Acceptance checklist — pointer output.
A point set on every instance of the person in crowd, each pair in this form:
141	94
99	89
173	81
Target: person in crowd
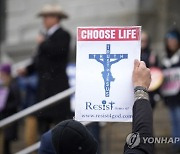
171	87
68	137
50	64
71	137
28	90
151	61
9	102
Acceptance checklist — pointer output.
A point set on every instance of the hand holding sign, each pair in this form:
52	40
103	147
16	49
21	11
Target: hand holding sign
141	74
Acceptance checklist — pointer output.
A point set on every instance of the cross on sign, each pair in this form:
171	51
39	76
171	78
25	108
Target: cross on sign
107	60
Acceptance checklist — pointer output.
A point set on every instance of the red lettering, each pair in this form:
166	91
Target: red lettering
109	33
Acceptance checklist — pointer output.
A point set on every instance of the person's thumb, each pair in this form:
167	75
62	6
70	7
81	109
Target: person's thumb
136	64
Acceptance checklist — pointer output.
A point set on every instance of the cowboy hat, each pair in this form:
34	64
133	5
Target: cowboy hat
53	10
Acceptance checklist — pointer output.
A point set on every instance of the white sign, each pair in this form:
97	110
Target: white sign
105	61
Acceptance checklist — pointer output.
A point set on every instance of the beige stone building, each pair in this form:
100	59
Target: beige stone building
20	25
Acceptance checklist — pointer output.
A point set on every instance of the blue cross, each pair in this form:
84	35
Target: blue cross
105	59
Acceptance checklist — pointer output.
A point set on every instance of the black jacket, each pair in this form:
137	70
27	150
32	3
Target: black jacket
50	64
13	101
171	70
11	107
142	124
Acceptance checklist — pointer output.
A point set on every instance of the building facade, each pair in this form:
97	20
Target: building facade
23	25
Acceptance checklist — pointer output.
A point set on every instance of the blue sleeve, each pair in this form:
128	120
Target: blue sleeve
46	146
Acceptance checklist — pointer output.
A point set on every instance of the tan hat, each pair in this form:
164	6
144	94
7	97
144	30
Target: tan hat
54	10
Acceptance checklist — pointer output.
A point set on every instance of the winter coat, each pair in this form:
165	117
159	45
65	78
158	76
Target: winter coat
50	65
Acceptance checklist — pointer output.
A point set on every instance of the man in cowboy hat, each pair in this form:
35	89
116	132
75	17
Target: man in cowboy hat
50	64
51	15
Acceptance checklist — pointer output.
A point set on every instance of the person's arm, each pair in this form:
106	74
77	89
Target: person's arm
99	60
115	61
142	113
29	69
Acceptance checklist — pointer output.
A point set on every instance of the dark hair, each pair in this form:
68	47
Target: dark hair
173	33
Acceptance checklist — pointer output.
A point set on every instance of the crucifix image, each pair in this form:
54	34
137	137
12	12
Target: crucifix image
107	60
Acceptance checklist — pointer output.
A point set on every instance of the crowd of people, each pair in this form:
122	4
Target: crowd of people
46	76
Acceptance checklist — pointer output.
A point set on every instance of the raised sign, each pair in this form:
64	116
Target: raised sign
105	58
